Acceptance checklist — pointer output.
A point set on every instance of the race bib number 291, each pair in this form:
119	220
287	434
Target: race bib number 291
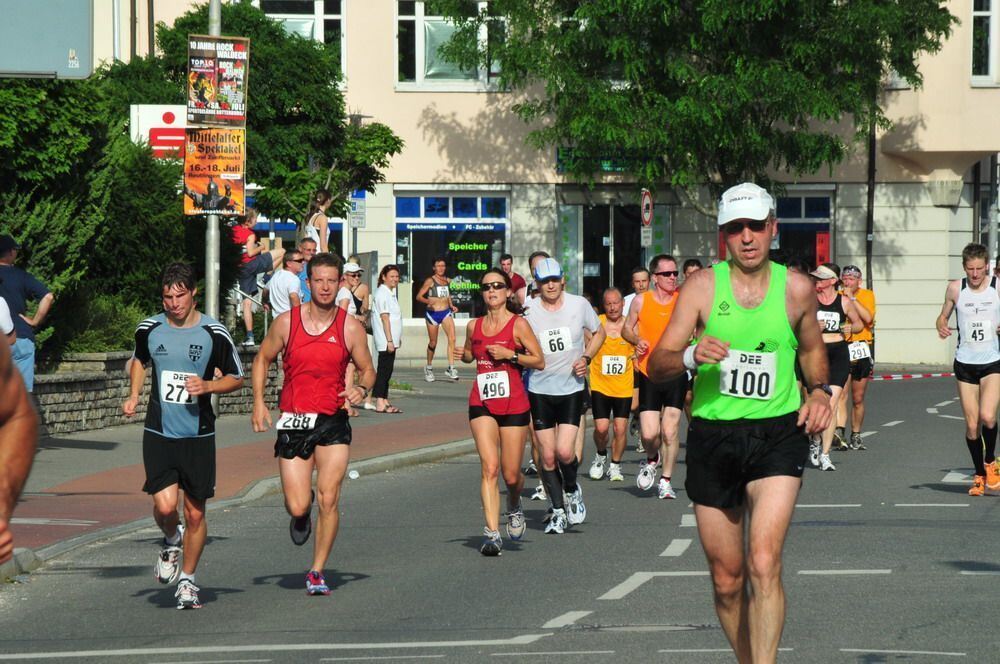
748	375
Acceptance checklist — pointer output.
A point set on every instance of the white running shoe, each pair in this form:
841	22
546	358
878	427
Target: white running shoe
187	595
168	568
539	493
615	472
597	467
664	490
814	450
515	524
429	374
825	463
492	544
577	510
557	524
451	373
647	474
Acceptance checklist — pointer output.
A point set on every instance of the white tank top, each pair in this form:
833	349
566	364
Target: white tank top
978	316
312	232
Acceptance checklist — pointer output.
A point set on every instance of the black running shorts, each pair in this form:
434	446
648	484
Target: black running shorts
723	457
863	368
973	373
508	420
605	407
329	430
657	396
839	359
548	410
186	462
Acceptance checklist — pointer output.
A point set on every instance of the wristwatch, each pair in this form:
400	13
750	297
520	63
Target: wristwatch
588	358
824	387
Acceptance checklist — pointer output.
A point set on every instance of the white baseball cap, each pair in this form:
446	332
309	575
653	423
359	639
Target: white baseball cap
745	201
350	268
547	268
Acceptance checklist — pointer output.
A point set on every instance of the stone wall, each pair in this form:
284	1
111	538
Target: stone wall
87	391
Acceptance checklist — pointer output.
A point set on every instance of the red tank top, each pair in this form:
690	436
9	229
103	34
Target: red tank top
516	401
315	366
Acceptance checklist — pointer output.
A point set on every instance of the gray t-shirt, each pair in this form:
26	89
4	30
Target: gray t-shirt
560	334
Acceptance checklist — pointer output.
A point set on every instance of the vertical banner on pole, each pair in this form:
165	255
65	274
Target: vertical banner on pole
217	80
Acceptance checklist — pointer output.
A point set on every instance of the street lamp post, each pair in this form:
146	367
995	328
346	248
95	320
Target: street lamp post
212	230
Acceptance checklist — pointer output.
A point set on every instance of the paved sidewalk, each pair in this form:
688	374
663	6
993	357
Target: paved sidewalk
87	486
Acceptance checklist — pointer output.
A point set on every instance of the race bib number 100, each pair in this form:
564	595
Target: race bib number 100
493	385
613	365
556	340
297	421
172	389
748	375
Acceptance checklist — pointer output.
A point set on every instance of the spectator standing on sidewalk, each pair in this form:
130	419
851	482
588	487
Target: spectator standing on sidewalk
7	323
307	247
284	287
18	437
387	328
18	287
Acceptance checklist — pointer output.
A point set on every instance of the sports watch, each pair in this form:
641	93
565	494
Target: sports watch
824	387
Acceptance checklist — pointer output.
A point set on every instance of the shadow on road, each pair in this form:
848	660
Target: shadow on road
64	444
297	580
942	487
164	597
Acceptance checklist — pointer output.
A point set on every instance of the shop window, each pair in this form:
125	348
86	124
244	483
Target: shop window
322	20
464	207
436	207
803	207
494	208
408	207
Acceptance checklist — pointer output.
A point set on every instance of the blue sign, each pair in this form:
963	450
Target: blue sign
443	226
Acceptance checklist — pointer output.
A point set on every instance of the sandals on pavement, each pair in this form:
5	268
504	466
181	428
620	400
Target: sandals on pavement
389	410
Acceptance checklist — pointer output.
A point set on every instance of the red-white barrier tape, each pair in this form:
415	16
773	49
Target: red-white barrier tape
909	376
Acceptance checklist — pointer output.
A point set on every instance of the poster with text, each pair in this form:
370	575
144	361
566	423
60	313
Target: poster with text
217	80
214	163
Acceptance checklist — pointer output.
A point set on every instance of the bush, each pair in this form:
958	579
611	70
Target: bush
104	323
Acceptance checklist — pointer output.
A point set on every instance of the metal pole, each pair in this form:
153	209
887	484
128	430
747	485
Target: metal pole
150	27
133	27
992	235
116	17
870	212
212	231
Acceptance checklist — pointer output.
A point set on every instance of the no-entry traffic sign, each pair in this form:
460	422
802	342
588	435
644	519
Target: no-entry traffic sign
646	207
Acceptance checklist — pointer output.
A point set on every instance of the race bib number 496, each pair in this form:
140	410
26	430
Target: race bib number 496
748	375
296	421
493	385
556	340
172	387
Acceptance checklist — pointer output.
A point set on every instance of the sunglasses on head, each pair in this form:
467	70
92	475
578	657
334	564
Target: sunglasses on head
737	227
667	273
493	285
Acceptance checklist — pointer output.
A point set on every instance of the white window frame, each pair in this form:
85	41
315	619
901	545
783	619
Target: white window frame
989	79
319	17
482	83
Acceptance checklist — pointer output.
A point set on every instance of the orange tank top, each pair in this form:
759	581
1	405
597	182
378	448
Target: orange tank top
653	319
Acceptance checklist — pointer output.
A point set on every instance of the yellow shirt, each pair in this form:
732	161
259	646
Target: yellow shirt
866	299
611	369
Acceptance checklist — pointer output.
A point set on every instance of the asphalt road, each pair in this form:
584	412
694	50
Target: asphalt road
888	560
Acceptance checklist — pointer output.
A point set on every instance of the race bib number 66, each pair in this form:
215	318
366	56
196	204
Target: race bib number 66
556	340
748	375
172	387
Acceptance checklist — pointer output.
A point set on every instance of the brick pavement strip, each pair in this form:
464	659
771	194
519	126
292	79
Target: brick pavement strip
246	471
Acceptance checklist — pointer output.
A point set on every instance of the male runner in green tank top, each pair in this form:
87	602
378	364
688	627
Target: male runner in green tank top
747	443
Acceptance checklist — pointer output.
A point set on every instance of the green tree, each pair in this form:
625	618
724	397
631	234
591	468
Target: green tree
699	91
299	137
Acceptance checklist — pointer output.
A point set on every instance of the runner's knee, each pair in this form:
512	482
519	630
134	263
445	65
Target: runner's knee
988	419
327	499
764	565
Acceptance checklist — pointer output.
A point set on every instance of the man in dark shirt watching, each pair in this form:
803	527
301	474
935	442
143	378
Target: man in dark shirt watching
18	287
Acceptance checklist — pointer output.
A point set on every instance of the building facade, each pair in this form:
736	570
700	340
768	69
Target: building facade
469	188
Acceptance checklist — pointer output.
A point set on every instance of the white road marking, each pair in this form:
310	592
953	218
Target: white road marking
687	521
829	505
931	505
522	640
842	572
554	652
957	477
676	548
943	403
692	650
971	572
865	434
904	652
639	578
224	661
893	423
566	619
952	417
932	411
365	659
32	521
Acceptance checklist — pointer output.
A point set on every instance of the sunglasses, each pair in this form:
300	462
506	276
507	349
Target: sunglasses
667	273
542	282
494	285
294	260
737	227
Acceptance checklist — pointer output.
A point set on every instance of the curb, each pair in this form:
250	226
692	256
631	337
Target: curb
26	560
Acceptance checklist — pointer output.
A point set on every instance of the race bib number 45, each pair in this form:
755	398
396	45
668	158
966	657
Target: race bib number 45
613	365
493	385
748	375
975	331
556	340
297	421
172	387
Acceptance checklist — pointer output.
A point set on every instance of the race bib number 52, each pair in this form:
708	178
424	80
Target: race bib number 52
748	375
172	387
493	385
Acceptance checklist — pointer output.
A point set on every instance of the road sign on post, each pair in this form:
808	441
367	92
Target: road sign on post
356	217
646	207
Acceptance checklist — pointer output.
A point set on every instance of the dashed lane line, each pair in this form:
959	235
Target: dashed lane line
358	659
552	652
688	521
566	619
708	650
33	521
842	572
930	653
865	434
893	423
952	417
639	578
944	403
984	572
931	505
932	411
676	548
957	477
808	506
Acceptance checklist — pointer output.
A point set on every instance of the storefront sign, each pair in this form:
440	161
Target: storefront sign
217	80
423	226
214	163
161	126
